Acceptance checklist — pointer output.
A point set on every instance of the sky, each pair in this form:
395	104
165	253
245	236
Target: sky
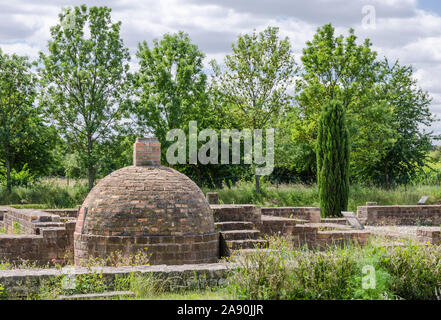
407	30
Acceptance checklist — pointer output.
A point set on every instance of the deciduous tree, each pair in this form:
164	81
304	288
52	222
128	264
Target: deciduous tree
85	77
256	79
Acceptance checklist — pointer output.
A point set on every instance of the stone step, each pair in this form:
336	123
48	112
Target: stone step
234	225
246	244
240	234
97	296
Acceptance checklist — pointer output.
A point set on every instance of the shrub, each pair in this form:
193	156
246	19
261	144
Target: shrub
18	178
416	270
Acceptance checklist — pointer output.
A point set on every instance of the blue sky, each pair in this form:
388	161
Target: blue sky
408	30
430	5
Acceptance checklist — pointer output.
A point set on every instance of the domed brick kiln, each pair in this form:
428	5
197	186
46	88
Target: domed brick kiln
149	207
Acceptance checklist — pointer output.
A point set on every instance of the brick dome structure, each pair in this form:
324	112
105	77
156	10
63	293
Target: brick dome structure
147	206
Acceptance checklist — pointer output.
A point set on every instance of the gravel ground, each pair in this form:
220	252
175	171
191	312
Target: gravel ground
394	232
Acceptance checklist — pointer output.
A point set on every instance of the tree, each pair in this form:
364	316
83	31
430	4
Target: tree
410	112
172	90
256	79
20	120
333	160
385	110
85	80
172	86
336	67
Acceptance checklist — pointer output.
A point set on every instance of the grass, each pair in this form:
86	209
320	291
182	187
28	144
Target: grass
56	193
365	273
299	195
46	194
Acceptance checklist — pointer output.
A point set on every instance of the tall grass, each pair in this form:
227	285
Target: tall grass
54	193
46	194
367	273
299	195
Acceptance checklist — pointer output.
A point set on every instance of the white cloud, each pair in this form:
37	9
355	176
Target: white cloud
403	31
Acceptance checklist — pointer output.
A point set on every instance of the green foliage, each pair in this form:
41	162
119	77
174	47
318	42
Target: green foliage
67	284
20	178
338	68
256	78
24	139
254	85
85	80
411	273
172	89
285	273
16	228
143	286
333	160
172	85
407	156
46	194
72	166
298	195
384	107
3	292
415	269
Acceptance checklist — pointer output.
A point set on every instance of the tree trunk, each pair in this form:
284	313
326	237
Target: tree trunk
91	176
257	180
8	173
90	169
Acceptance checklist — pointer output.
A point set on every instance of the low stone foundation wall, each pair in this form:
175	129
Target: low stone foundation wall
283	221
23	283
305	213
53	245
275	225
340	238
304	236
36	236
232	212
428	215
29	221
429	234
67	213
341	221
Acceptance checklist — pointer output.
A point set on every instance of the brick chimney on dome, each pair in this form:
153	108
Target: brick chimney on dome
147	152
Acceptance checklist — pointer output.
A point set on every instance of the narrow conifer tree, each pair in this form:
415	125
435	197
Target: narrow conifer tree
333	160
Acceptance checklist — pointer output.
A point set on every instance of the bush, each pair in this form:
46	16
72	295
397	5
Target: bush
415	270
20	178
